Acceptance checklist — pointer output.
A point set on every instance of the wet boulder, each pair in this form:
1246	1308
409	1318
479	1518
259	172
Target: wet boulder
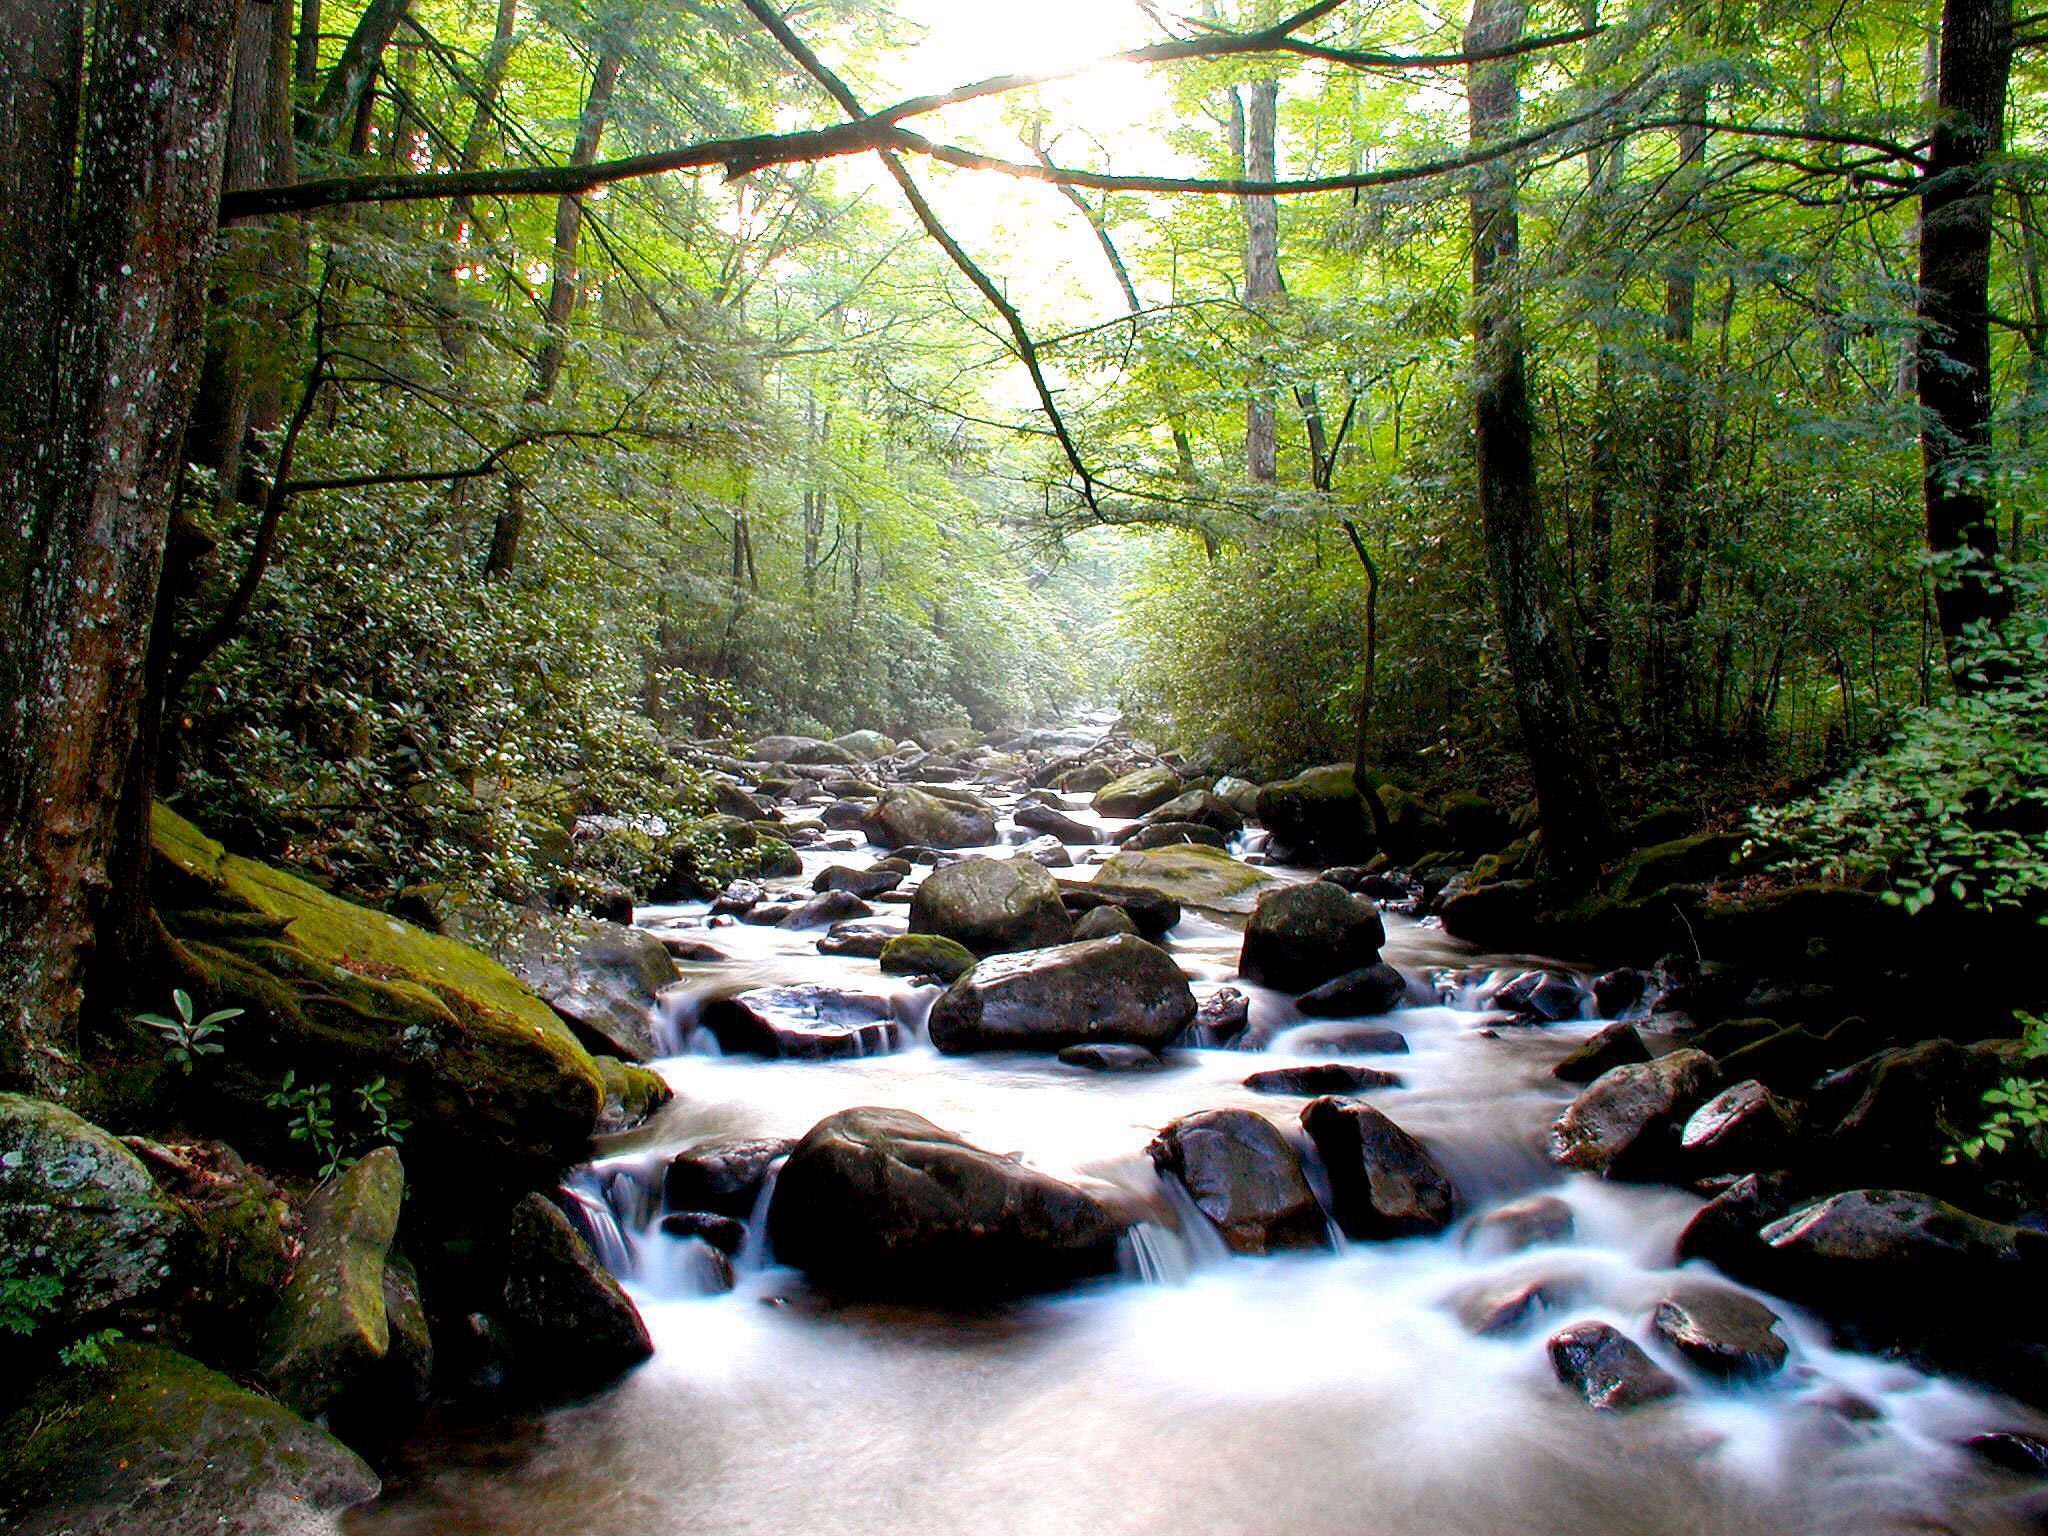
1537	997
1043	818
572	1324
1319	815
147	1442
245	1228
1104	922
329	1328
1152	915
724	1177
882	1202
1740	1128
826	908
84	1224
906	817
1721	1331
1221	1019
861	941
844	816
1119	989
1301	936
1607	1368
992	905
1617	992
1345	1038
1494	1307
1902	1255
806	1022
868	746
1170	834
1136	793
1613	1045
1626	1124
1112	1058
1331	1077
631	1093
1371	989
1725	1231
927	954
1241	795
1383	1182
1191	874
1525	1223
802	751
1047	851
865	883
1244	1176
1198	807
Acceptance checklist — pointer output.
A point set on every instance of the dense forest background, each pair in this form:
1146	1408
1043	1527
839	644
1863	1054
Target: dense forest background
1549	400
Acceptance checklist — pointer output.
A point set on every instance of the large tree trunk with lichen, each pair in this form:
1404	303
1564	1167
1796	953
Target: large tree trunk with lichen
1547	704
1954	365
89	465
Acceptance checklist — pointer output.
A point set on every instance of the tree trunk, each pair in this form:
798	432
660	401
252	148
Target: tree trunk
1261	270
94	501
1954	371
342	98
1547	705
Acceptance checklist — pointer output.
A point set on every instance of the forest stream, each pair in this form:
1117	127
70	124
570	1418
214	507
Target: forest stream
1315	1392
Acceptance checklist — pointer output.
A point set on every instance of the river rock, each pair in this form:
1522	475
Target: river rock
1371	989
724	1177
883	1202
1136	793
868	746
631	1093
826	908
329	1329
721	1232
864	883
1614	1045
844	816
1193	875
1170	834
1319	816
246	1230
150	1443
1618	991
917	818
573	1323
1626	1124
1383	1182
1343	1038
1043	818
1494	1307
807	751
729	799
1119	989
1104	922
2011	1450
927	954
739	898
1540	997
992	905
81	1219
861	941
1723	1332
1048	852
1198	807
1241	795
1743	1127
1333	1077
1301	936
1726	1230
1607	1368
1112	1058
1221	1019
807	1022
1154	916
1899	1253
1525	1223
1243	1176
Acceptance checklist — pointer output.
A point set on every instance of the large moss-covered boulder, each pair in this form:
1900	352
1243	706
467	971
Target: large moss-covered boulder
927	954
865	745
330	1329
991	905
574	1324
1116	990
1136	793
631	1093
83	1225
496	1086
1207	879
1301	936
247	1235
604	979
916	818
1319	815
1695	860
150	1443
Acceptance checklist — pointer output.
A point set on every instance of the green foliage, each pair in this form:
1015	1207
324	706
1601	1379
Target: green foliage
187	1039
26	1299
2017	1107
311	1118
1955	808
90	1350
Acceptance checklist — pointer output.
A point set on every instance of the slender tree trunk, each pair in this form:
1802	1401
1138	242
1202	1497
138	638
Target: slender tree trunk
347	88
1261	269
1954	371
462	210
94	499
1547	705
1596	643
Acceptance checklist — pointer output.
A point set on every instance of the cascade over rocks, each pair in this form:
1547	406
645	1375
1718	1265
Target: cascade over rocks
907	818
1301	936
1383	1182
1243	1176
1222	1019
1626	1125
1119	989
992	905
806	1022
572	1322
723	1177
882	1202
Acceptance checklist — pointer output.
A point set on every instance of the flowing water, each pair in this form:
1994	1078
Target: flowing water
1202	1394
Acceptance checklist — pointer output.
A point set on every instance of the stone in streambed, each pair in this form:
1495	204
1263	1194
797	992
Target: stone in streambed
1171	834
882	1202
807	1022
573	1323
1136	793
1319	815
1112	1058
725	1177
1104	922
1626	1124
927	954
1118	989
1383	1182
1615	1045
721	1232
1198	807
992	905
1495	1307
1607	1368
1520	1224
1746	1126
1339	1039
1043	818
603	978
1301	936
915	818
1153	915
1537	997
1371	989
1723	1332
860	941
1192	874
1335	1077
865	883
1244	1177
826	908
631	1093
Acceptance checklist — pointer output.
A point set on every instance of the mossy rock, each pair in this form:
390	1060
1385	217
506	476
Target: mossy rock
631	1093
927	954
866	745
1696	860
151	1443
1474	824
1319	815
574	1324
83	1225
247	1234
1136	793
496	1086
1192	874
